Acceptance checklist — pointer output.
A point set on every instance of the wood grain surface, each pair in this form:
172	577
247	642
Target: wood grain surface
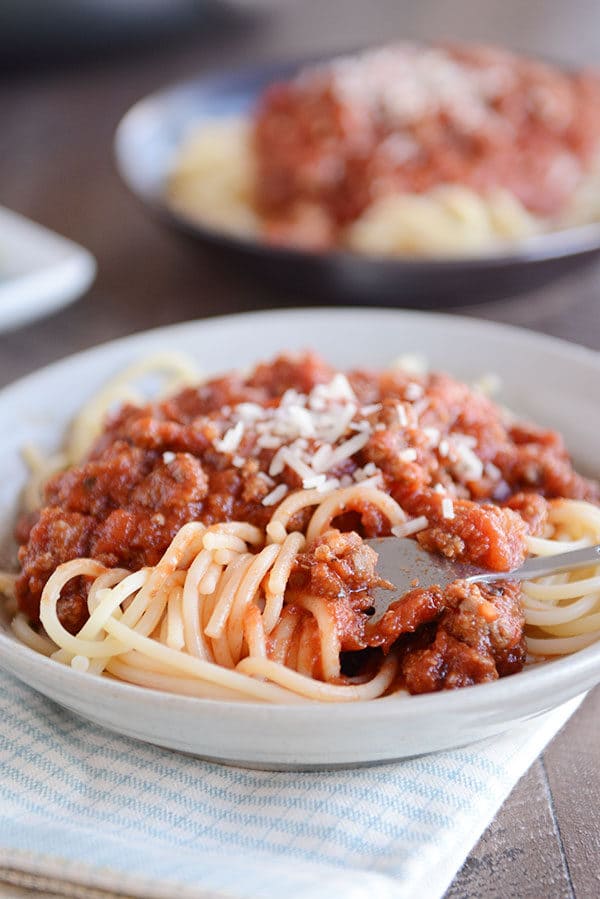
56	167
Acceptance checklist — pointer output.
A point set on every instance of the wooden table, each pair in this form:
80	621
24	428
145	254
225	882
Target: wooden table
56	167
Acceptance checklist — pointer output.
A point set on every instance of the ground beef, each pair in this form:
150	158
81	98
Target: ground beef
467	647
485	535
532	508
342	568
339	563
57	536
446	664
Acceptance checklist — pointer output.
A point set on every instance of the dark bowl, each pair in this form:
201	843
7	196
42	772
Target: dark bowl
146	142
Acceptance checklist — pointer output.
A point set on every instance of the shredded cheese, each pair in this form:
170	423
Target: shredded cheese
447	508
408	455
231	439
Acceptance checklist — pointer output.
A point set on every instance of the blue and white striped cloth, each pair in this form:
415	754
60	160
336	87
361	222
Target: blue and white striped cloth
83	807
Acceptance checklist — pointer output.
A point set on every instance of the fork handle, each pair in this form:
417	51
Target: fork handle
542	565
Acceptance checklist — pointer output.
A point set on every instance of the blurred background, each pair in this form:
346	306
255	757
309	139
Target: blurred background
71	68
59	29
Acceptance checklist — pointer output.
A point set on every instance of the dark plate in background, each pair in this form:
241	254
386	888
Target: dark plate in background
145	146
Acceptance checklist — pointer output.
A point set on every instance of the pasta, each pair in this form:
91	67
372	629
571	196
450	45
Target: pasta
562	611
445	221
276	607
214	175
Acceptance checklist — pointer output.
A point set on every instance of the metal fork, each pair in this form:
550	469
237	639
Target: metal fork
406	565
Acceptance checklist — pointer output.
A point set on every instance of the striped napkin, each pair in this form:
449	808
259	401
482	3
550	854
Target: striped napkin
83	810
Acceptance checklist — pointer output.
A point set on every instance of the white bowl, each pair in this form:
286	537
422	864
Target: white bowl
552	382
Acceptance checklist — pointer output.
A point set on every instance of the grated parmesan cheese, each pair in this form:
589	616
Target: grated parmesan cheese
408	455
292	458
367	471
267	442
413	391
360	426
347	449
447	508
402	417
372	409
320	460
277	463
249	412
231	439
314	482
303	421
374	481
433	436
492	471
405	82
468	466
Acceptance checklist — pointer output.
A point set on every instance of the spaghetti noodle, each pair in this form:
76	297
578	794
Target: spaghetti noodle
275	605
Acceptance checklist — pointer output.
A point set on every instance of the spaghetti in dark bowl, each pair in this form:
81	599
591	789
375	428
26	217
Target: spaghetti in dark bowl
371	197
442	151
210	543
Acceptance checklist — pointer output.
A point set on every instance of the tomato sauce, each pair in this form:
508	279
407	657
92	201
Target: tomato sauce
430	439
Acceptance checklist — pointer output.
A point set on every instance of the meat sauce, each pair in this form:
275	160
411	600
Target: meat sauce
156	467
405	119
